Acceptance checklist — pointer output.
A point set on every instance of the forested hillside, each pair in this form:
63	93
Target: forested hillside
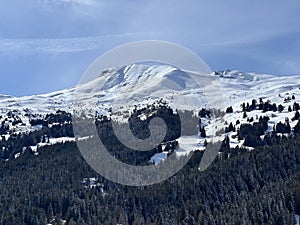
259	185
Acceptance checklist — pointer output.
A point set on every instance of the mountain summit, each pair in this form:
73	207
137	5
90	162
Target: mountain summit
154	82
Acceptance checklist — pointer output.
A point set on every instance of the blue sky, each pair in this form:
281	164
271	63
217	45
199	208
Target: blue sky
46	45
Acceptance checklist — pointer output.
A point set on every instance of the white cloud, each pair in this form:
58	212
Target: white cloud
79	2
61	45
76	2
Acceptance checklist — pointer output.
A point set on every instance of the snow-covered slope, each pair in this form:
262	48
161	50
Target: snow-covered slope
131	81
153	82
142	84
238	87
138	85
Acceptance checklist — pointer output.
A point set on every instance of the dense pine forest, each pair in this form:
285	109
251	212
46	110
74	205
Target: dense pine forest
242	186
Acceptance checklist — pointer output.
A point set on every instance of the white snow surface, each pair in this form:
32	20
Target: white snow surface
141	84
159	157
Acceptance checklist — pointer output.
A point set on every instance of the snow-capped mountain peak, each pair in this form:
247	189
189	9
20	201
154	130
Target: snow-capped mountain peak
136	74
154	81
142	85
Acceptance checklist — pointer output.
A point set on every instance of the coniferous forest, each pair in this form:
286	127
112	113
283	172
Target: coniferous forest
241	186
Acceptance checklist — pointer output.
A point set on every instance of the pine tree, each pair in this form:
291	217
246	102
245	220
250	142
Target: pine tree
229	110
296	117
202	132
297	128
254	104
296	106
280	108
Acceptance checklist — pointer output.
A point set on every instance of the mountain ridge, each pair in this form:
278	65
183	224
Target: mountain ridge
142	85
145	77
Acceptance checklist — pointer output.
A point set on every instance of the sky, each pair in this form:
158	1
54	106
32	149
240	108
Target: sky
46	45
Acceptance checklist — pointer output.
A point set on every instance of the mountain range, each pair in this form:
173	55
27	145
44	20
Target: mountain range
254	179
